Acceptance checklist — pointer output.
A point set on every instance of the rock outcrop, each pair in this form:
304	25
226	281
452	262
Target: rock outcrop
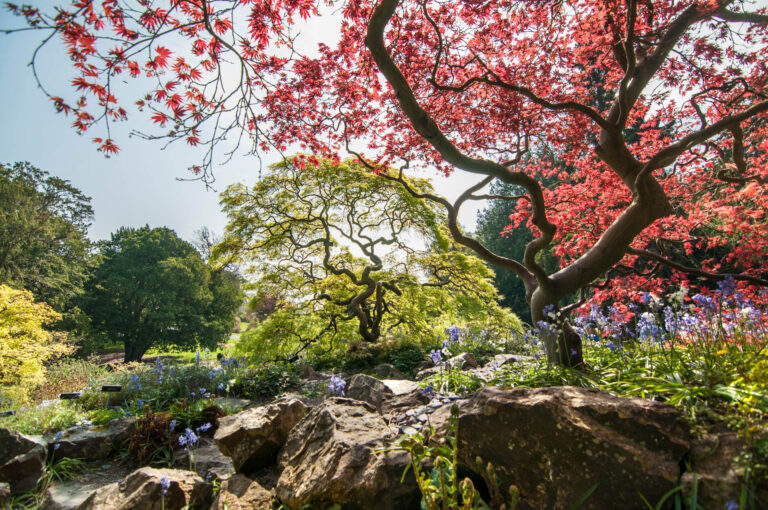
555	444
716	473
143	489
253	437
239	492
22	460
94	443
340	454
368	389
5	496
207	460
388	371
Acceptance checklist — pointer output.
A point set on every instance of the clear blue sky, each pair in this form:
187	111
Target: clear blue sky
138	186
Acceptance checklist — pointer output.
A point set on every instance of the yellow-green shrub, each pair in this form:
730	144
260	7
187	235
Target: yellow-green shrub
25	344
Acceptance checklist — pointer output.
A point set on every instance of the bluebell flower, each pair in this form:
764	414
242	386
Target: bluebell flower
207	351
435	356
612	346
56	446
647	327
547	328
727	286
197	357
336	385
706	303
203	428
172	425
454	334
429	391
221	386
139	402
189	437
165	484
731	505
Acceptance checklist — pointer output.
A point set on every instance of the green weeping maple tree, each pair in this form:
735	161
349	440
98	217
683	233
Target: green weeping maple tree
338	246
657	108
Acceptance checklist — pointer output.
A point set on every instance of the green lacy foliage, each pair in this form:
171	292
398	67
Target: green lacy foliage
347	255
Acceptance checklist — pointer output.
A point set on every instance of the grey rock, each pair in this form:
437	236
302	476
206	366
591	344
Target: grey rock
500	360
554	444
253	437
22	460
718	476
142	490
463	361
94	443
406	402
387	371
5	496
368	389
400	386
208	461
239	492
339	454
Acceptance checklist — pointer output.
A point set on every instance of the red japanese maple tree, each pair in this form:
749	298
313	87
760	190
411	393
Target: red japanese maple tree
657	110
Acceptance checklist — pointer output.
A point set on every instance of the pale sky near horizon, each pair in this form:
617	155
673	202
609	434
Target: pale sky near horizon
139	185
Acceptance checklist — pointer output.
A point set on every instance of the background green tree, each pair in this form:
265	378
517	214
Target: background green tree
152	288
491	224
43	225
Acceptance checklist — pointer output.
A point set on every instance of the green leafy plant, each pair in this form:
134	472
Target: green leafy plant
435	465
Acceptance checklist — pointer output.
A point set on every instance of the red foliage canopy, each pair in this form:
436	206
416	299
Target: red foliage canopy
655	109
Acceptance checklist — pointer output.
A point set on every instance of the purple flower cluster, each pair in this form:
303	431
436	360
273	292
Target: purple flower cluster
336	385
188	439
165	484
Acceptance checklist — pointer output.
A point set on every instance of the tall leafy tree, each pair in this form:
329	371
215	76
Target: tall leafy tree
153	289
470	86
337	244
43	225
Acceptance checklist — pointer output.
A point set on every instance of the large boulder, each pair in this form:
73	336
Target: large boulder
253	437
5	496
388	371
143	490
239	492
555	444
207	460
338	454
368	389
717	475
93	443
22	460
463	361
